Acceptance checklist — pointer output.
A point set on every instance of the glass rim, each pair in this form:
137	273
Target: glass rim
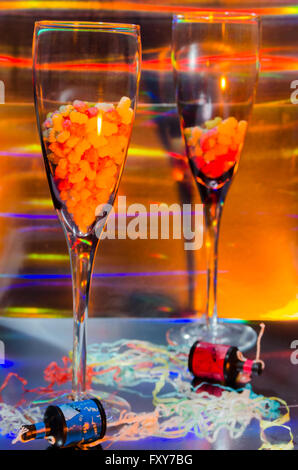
87	25
206	16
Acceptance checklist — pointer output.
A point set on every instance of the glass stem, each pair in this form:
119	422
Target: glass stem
82	253
212	214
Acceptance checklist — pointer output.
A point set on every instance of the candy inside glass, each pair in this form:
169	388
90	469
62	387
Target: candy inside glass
86	78
215	61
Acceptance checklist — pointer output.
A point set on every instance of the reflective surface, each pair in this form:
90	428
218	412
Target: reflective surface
279	378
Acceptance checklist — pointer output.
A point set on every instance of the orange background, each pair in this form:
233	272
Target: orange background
157	278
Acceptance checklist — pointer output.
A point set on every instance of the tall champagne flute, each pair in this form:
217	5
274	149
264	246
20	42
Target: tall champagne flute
215	61
86	77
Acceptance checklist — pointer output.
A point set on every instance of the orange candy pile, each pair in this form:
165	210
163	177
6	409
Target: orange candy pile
86	146
216	147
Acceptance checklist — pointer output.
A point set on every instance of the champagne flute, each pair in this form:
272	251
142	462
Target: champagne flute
215	61
86	78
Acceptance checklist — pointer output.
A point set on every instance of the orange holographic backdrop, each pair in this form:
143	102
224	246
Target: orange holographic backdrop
169	7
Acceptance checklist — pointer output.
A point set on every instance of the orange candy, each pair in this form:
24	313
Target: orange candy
87	147
216	147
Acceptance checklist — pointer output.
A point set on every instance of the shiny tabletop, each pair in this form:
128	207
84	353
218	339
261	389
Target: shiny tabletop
31	344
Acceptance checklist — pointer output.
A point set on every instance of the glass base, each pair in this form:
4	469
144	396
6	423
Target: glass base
234	334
